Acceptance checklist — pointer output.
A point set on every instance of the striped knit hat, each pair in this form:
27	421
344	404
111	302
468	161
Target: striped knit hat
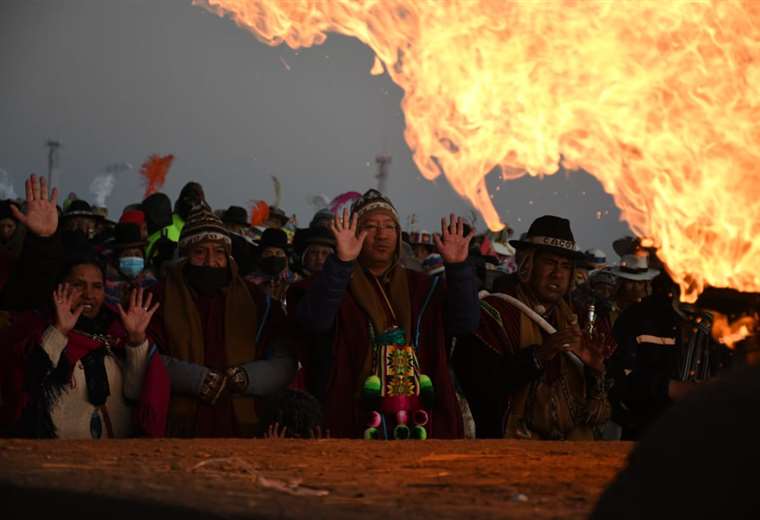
371	201
202	226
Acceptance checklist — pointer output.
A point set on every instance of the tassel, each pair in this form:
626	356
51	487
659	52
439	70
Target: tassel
427	393
421	418
419	433
375	420
401	432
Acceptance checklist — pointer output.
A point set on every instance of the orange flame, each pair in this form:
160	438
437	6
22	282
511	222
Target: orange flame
658	100
732	333
154	171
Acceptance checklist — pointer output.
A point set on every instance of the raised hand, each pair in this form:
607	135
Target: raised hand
453	244
41	216
137	318
66	317
275	431
348	243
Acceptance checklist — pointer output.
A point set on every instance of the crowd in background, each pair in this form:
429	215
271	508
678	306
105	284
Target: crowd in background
178	320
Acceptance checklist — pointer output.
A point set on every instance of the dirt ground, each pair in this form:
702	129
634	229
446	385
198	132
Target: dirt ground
306	479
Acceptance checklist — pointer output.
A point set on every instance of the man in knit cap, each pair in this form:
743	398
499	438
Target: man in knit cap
376	312
222	339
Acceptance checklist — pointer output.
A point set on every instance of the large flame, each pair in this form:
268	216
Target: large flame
731	333
658	100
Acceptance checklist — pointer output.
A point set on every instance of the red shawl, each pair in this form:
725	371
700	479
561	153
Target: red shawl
25	333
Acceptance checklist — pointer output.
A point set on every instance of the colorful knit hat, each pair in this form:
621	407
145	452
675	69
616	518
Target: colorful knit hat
201	226
373	200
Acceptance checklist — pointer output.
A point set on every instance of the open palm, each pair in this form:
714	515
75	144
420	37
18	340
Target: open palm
66	316
348	243
137	318
41	216
453	244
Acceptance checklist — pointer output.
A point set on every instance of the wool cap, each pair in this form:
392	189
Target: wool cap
373	200
201	226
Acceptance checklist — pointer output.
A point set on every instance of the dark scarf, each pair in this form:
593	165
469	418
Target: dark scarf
185	338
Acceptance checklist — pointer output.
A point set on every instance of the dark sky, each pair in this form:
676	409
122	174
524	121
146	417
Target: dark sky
118	80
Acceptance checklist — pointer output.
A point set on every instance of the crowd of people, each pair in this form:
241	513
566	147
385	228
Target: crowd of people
185	322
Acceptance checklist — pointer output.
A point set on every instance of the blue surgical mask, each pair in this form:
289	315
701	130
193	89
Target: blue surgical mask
131	265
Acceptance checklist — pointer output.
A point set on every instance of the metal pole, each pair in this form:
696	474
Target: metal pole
52	148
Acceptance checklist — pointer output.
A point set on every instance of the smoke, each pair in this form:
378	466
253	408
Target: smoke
318	202
101	188
6	186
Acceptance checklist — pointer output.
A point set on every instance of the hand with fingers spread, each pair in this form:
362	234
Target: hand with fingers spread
453	244
349	244
275	431
41	216
65	298
137	318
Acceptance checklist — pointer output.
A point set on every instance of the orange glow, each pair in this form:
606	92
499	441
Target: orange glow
660	101
732	333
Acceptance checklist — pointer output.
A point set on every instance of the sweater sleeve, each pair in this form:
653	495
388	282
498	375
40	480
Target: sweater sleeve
318	308
463	307
267	376
186	378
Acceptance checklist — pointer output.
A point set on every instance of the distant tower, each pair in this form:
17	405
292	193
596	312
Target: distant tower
382	161
53	147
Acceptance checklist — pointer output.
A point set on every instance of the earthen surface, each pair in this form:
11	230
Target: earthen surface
307	479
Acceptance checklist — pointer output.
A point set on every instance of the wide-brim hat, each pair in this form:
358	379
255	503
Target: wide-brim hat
273	237
80	208
552	234
275	212
127	236
603	276
319	236
636	268
236	215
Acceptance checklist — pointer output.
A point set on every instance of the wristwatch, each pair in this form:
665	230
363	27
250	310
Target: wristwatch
238	379
213	386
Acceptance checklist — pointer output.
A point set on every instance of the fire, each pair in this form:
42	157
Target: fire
732	333
658	100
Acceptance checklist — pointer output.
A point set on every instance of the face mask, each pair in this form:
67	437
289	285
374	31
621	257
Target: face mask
206	280
273	264
131	265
